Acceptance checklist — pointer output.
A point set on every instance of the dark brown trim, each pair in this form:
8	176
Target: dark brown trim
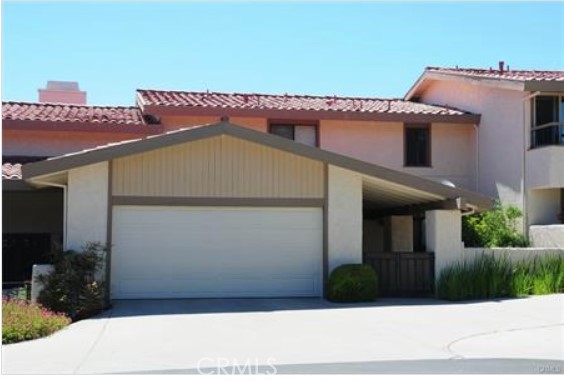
16	185
224	128
109	226
309	114
109	128
427	126
325	229
216	201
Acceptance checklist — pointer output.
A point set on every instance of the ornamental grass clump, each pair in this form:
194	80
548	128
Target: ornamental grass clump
488	276
22	320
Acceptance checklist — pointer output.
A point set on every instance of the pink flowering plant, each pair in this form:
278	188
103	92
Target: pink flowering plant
22	320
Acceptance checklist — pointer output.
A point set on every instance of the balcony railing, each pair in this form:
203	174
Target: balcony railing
549	134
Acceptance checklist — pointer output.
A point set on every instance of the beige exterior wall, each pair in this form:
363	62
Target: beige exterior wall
87	205
501	135
452	147
218	167
344	217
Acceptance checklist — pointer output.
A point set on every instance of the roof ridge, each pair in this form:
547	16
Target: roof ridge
273	95
492	69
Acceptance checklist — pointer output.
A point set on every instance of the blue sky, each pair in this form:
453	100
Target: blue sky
363	49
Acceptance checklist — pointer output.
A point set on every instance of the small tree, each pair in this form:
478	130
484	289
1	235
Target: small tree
72	287
494	228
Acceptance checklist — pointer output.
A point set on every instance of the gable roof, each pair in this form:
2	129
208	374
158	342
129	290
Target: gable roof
297	106
131	147
523	80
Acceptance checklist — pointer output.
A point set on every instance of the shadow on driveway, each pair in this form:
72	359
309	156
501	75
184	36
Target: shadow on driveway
141	307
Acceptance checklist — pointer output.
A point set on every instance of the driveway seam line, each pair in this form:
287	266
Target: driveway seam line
489	333
107	318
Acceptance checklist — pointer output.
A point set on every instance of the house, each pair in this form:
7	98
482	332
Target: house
226	211
338	179
389	132
520	141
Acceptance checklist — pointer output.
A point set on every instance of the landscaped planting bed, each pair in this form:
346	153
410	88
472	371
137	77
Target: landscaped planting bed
488	276
22	320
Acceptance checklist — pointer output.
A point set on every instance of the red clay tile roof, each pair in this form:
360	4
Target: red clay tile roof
515	75
60	112
12	165
12	171
289	102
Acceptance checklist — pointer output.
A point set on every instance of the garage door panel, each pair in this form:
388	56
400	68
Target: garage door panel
167	252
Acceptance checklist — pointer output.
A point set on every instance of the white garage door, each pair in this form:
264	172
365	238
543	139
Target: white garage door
211	252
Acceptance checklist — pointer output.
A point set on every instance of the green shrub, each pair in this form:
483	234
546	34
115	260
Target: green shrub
488	276
22	320
353	283
72	287
494	228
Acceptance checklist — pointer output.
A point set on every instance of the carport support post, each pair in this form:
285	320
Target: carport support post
443	234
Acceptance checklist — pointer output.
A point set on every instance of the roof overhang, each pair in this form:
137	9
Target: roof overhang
399	186
309	114
429	77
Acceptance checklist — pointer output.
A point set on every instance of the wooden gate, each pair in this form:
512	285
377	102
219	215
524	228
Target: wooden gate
403	274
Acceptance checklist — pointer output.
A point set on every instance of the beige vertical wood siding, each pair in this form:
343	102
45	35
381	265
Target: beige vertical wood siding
218	167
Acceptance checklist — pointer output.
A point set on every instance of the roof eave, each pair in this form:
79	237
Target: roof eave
163	110
39	125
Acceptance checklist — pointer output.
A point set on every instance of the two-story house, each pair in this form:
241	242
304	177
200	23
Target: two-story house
422	140
520	141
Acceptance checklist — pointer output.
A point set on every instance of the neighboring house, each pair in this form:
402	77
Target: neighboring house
520	141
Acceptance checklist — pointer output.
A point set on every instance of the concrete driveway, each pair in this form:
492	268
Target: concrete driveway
304	336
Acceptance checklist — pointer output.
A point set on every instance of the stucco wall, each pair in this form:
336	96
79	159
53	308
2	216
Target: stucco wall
382	143
547	236
173	122
344	217
87	205
55	143
500	136
515	254
443	234
545	167
543	206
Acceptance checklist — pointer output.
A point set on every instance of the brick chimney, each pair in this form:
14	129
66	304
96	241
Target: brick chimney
62	92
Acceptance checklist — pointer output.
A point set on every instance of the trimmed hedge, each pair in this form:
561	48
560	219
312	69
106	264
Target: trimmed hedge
353	283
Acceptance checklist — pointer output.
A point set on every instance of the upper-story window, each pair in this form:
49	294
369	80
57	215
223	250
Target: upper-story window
417	145
548	121
300	132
